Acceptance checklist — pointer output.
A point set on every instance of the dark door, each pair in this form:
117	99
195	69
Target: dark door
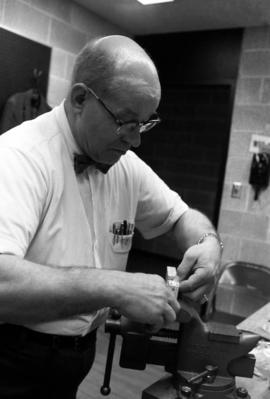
189	149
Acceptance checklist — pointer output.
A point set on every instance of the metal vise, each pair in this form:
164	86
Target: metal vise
203	359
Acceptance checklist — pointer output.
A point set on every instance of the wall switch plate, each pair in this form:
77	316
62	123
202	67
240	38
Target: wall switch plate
236	189
259	143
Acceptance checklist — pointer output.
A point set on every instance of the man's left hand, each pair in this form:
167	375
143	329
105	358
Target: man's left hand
199	268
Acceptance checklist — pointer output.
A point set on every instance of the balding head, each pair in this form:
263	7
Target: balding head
115	86
124	51
109	63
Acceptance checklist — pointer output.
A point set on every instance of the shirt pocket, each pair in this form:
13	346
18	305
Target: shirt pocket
121	243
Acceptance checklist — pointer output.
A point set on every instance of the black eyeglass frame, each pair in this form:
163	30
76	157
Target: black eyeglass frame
130	125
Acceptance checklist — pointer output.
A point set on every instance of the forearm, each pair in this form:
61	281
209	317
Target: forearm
191	226
31	292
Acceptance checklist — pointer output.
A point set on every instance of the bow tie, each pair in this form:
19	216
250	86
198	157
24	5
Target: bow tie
81	162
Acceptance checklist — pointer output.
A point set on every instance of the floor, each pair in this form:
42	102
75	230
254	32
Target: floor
124	383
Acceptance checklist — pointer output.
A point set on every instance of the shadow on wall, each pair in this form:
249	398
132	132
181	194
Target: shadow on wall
20	57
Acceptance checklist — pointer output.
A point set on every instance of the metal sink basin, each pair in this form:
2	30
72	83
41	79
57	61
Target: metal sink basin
242	289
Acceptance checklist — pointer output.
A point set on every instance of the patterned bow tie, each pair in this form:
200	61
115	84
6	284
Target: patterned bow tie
81	162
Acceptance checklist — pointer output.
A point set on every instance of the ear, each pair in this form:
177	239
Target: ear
78	97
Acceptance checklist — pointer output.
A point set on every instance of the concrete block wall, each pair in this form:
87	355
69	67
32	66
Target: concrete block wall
62	25
244	223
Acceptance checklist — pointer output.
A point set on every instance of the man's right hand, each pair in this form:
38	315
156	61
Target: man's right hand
147	299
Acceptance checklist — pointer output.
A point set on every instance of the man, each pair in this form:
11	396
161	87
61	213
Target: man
65	234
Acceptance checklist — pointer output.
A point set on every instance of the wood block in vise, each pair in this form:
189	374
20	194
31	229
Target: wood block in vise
187	311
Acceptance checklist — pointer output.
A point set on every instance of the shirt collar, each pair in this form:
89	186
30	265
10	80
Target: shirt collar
64	126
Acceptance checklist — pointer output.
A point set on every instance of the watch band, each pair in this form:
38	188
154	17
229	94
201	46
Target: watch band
205	235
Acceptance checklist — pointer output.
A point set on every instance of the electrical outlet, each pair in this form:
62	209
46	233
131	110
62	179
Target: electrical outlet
236	189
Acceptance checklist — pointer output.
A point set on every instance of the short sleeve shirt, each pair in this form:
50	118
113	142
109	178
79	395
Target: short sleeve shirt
51	216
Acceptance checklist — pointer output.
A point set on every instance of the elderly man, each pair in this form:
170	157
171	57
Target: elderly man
71	194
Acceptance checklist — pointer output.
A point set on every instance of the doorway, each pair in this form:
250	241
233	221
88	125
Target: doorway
188	150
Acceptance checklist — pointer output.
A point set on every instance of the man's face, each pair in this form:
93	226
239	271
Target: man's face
98	133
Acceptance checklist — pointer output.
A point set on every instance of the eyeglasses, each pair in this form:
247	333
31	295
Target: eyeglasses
130	126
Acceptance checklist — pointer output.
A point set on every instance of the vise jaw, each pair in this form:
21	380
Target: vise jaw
210	356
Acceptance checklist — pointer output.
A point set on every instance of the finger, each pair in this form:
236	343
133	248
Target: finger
197	294
155	327
173	302
196	280
204	299
185	267
169	315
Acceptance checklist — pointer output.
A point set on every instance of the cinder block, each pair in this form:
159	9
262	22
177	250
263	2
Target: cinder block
251	118
230	222
256	38
266	91
26	20
56	8
70	61
66	37
262	205
2	6
255	252
234	204
85	21
57	90
254	226
94	25
254	63
58	63
238	169
248	91
239	143
231	248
